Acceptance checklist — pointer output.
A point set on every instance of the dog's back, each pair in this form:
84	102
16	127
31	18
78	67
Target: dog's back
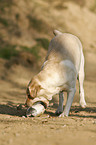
67	47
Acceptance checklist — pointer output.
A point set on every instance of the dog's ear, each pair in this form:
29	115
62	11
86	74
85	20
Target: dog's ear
33	90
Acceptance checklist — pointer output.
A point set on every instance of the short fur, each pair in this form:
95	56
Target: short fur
64	63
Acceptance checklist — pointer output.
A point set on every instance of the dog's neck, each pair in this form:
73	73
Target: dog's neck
48	89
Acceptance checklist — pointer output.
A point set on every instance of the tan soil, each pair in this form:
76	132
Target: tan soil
48	129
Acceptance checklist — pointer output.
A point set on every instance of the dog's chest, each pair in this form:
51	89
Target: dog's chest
54	76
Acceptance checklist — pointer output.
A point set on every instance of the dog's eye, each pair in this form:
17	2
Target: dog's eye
28	93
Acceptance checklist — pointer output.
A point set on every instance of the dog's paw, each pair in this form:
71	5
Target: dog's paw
62	115
83	104
58	112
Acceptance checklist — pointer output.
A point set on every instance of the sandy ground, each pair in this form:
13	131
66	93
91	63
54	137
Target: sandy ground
78	128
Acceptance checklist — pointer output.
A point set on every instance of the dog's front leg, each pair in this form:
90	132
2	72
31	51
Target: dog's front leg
70	96
60	107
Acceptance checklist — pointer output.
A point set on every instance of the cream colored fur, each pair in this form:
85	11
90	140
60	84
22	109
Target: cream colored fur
64	63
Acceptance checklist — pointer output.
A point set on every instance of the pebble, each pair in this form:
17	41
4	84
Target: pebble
48	116
23	117
44	121
17	134
64	125
94	122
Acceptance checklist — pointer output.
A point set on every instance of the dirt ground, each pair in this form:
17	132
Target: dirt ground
20	26
78	128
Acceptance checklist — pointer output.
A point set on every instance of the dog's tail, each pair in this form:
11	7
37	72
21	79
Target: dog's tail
56	32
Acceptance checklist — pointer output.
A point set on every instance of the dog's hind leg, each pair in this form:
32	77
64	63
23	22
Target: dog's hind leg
81	80
60	107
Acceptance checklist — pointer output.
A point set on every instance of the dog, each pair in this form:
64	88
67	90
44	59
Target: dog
63	65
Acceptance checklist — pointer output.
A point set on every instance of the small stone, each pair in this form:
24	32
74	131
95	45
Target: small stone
17	134
64	125
44	121
94	122
48	116
23	117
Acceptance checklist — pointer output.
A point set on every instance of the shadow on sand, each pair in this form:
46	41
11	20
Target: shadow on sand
76	111
88	112
11	109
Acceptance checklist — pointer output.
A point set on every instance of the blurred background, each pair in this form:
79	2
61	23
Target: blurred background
26	28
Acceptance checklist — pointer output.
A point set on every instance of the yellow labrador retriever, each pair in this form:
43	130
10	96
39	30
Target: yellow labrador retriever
64	63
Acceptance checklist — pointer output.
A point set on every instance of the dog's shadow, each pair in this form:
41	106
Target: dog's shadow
11	109
88	112
76	111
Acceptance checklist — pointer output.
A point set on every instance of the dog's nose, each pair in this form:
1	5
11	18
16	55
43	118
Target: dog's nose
25	105
28	102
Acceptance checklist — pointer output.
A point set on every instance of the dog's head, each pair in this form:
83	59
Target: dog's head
32	92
